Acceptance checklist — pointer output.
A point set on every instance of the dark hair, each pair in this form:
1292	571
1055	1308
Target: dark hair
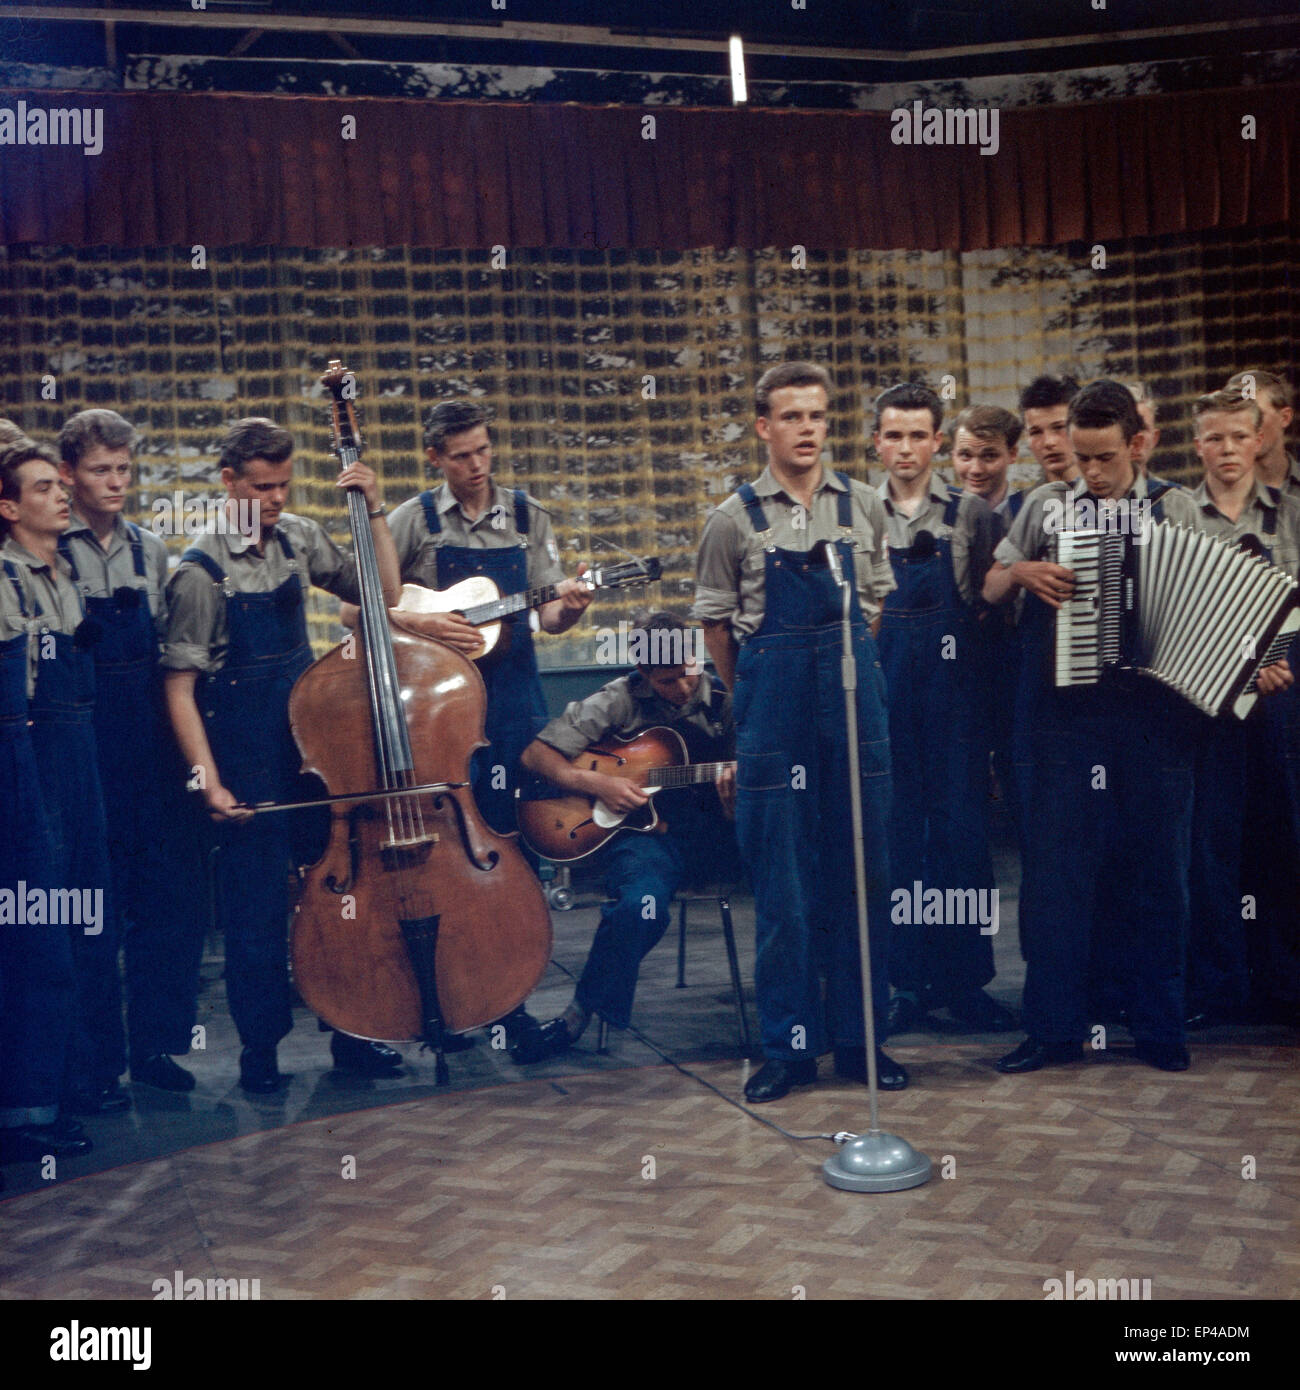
1101	404
449	418
1278	387
12	458
91	429
663	639
789	374
1046	391
255	437
910	395
989	422
10	433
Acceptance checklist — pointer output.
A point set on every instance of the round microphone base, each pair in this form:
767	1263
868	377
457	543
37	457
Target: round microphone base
876	1163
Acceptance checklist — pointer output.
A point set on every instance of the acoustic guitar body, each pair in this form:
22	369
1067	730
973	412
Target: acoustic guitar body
569	826
468	593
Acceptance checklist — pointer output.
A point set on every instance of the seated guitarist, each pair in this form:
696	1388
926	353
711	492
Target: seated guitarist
642	870
470	525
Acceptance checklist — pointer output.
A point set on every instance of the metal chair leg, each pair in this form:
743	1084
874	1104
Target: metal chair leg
733	960
602	1035
681	943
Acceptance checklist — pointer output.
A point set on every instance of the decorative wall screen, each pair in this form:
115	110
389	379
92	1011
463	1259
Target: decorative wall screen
622	379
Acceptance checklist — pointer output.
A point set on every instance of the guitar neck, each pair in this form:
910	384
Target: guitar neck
511	603
685	774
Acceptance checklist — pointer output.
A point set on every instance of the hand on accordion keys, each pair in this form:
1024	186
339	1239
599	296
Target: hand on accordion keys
1050	582
1272	679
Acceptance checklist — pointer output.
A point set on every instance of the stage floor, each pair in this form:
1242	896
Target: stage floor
619	1176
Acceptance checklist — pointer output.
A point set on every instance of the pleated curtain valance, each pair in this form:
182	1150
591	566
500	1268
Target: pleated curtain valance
219	170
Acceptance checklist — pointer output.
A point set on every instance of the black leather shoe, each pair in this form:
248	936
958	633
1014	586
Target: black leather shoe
775	1077
851	1065
32	1143
101	1100
904	1015
363	1057
1033	1054
1165	1056
259	1073
542	1041
162	1072
982	1012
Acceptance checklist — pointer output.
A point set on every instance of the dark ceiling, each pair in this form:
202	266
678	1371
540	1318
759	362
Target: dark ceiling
865	41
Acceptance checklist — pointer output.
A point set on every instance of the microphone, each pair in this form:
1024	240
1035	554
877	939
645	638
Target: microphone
830	557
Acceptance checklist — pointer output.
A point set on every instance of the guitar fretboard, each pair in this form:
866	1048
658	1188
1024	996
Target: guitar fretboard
512	603
685	774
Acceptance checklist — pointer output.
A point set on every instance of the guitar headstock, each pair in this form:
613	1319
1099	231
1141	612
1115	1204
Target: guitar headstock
624	574
342	386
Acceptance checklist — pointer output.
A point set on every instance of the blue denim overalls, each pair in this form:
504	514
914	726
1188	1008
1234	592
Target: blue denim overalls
36	982
63	738
516	708
793	818
1218	980
152	828
245	709
939	725
1108	818
1271	849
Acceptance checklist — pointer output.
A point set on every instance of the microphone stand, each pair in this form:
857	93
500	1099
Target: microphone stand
875	1161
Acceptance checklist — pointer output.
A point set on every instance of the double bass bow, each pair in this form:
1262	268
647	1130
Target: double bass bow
418	920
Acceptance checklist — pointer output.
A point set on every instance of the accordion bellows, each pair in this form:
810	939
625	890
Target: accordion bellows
1194	612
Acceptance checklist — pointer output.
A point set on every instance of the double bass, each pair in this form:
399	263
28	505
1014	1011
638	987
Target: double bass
418	920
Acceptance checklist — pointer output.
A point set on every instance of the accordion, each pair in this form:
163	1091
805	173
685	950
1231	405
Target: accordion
1196	613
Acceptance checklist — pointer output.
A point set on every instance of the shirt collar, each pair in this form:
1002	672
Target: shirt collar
641	689
766	484
238	543
939	494
445	501
79	524
1139	490
19	554
1258	496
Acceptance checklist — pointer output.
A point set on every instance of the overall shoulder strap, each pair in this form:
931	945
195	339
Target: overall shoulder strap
431	518
753	507
952	507
203	559
1014	503
65	549
137	549
521	511
844	502
1270	516
12	571
1155	494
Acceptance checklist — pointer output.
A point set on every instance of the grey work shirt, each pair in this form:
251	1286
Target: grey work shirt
51	598
1256	517
494	530
197	633
1291	483
103	570
1031	537
628	705
730	569
972	536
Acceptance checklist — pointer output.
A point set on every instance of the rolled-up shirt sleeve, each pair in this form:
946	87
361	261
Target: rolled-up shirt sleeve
717	570
585	722
193	605
330	569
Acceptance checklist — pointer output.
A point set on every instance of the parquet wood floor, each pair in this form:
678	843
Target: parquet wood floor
543	1189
